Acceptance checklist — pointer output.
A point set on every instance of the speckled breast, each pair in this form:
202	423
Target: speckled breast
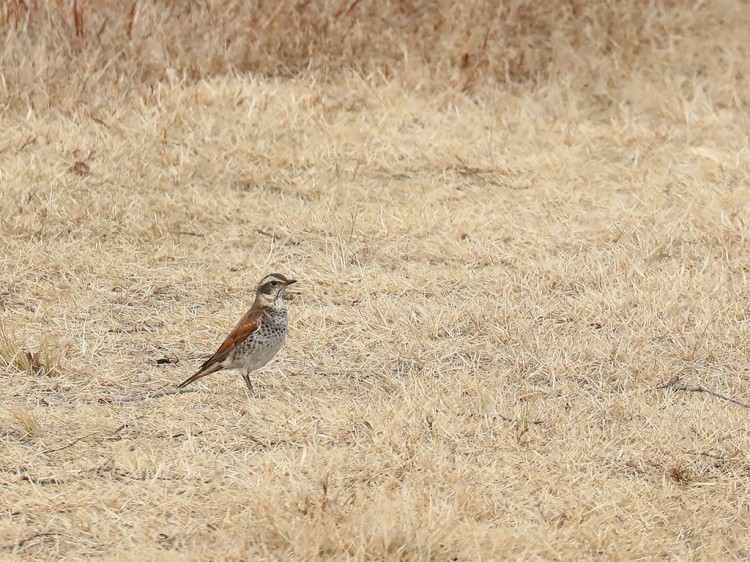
264	343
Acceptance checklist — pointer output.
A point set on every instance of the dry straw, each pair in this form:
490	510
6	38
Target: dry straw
512	224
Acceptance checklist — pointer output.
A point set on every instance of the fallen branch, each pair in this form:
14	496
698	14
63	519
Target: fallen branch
672	385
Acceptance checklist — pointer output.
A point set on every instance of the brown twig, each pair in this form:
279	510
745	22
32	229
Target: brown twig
69	444
344	9
133	18
672	385
123	427
273	236
78	17
158	394
46	481
519	422
23	542
113	434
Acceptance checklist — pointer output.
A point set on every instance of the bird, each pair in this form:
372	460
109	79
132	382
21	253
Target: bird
257	337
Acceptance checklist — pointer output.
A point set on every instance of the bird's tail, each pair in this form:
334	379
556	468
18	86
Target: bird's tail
200	374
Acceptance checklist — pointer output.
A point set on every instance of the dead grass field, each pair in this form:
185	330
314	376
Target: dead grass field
510	226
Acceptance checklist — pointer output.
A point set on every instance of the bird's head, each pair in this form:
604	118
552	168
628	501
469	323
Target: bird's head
271	288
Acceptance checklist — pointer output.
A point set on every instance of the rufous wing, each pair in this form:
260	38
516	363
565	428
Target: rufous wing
246	326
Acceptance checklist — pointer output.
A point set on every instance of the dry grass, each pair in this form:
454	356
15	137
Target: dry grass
504	248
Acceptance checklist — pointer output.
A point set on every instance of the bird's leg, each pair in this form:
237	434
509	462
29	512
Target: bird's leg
246	377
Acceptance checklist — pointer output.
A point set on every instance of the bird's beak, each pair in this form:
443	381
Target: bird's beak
291	282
